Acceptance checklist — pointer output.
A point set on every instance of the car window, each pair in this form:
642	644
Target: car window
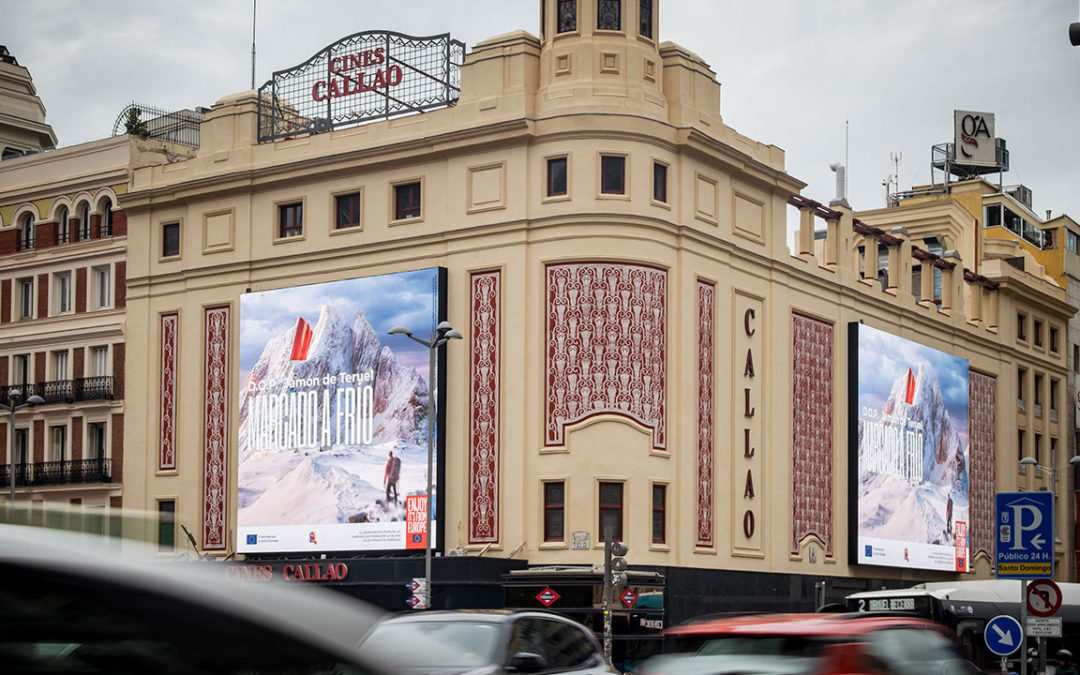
56	622
454	644
567	646
911	651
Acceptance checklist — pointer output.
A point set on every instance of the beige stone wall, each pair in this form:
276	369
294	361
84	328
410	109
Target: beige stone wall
482	167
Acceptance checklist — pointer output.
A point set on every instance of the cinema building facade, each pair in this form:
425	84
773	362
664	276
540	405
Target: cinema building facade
641	348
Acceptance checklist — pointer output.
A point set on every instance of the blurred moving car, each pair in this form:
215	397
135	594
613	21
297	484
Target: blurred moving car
484	641
77	603
810	644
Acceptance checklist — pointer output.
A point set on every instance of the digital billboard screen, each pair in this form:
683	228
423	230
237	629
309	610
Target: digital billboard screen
910	468
332	448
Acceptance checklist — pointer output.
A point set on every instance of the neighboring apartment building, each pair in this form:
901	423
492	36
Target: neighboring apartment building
641	349
1006	228
63	243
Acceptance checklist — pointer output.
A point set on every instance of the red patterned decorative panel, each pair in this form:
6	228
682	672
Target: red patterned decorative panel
216	424
606	346
484	416
981	423
812	431
706	304
167	447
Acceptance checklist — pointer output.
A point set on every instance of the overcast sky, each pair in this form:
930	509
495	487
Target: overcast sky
794	73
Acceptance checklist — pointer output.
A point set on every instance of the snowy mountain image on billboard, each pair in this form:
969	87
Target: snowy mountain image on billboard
912	453
333	421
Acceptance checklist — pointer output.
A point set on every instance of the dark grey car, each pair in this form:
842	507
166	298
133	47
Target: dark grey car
72	603
484	641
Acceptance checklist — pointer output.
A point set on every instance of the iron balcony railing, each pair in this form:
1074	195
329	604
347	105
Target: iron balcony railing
96	388
67	472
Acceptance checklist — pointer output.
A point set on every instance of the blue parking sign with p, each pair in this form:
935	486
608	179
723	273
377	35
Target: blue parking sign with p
1024	537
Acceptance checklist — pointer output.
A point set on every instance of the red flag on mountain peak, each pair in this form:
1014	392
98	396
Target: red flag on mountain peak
301	340
909	392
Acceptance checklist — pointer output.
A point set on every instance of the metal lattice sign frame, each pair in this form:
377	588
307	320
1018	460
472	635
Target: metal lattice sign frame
366	76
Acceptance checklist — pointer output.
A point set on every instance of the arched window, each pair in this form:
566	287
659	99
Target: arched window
63	227
84	222
26	233
107	220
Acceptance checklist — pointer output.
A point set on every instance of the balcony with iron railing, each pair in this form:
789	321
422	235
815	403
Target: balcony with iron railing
67	472
96	388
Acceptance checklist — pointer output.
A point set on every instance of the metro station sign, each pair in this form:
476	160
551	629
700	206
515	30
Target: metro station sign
366	76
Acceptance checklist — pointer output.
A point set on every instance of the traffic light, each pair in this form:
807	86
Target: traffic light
614	562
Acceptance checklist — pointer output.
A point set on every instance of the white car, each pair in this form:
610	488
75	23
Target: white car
73	603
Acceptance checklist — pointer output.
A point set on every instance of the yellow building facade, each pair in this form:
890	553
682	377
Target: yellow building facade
584	182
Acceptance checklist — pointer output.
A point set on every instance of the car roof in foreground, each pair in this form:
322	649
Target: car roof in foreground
798	624
320	616
490	615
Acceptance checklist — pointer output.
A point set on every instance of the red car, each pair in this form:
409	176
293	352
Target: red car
808	644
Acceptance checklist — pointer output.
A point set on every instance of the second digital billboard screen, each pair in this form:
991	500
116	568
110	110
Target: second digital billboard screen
332	451
910	456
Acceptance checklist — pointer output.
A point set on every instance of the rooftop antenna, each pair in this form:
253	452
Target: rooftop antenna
893	180
847	163
253	4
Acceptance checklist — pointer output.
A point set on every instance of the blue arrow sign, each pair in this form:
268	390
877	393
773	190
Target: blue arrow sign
1025	535
1003	635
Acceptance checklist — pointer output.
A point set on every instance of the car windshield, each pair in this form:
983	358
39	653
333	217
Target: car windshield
446	644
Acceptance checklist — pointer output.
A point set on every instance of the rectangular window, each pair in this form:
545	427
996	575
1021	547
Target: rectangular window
1053	400
1038	448
1021	327
608	15
1019	444
1036	333
1072	242
567	18
1076	358
166	525
645	18
659	514
556	177
611	511
99	361
57	444
290	220
102	287
95	440
1038	390
170	240
407	200
26	298
60	365
20	372
347	210
659	182
22	446
1053	340
1021	383
62	287
612	175
993	216
554	510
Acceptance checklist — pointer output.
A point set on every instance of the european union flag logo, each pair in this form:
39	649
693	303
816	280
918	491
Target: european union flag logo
252	539
869	551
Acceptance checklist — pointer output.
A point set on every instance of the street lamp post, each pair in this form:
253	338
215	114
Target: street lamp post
13	406
442	334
